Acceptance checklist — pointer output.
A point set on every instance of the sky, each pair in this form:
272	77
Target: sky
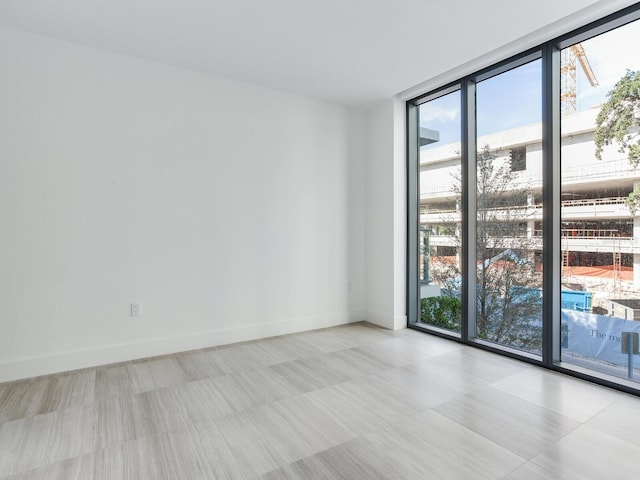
513	98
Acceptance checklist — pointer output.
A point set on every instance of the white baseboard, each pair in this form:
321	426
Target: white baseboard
386	321
399	321
379	318
26	367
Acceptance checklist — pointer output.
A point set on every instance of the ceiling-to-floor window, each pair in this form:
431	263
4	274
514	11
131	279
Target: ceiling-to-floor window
508	191
600	236
439	234
524	205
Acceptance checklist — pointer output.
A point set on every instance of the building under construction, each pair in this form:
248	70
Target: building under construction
570	58
600	235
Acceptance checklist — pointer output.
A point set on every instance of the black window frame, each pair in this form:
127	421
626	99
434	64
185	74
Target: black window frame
549	53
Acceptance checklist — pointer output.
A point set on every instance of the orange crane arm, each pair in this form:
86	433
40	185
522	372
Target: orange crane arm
580	54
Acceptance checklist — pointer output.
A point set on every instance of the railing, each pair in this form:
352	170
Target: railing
424	211
589	234
605	169
590	202
568	233
438	190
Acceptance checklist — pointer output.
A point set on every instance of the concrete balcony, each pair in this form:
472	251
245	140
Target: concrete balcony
612	171
439	192
572	240
594	174
438	217
613	207
443	241
597	208
598	242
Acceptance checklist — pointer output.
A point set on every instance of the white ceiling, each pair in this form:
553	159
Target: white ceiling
348	51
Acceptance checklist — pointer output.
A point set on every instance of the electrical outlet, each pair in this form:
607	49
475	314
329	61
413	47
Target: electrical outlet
136	309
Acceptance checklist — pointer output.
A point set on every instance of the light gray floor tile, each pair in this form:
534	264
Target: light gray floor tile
478	365
359	458
568	396
621	419
35	441
363	333
519	426
207	399
47	394
328	369
177	455
437	447
352	460
354	363
219	454
587	453
126	418
424	387
21	399
76	468
531	471
112	382
351	408
121	419
388	407
430	347
234	358
297	428
311	468
347	402
253	387
68	390
394	352
327	340
236	440
283	349
446	382
199	365
154	374
140	376
310	373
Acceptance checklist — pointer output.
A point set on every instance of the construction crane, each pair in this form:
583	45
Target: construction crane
568	71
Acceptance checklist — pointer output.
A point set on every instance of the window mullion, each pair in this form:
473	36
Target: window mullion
551	192
468	199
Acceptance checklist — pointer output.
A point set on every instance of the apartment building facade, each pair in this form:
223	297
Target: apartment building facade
600	233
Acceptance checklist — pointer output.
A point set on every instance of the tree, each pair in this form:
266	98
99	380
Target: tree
619	121
507	287
633	200
619	118
508	300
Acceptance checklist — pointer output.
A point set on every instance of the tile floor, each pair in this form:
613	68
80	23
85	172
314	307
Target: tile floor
351	402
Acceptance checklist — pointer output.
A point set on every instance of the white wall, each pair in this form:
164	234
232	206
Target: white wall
386	215
230	211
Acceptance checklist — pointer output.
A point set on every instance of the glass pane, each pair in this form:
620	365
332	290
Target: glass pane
600	197
439	242
509	209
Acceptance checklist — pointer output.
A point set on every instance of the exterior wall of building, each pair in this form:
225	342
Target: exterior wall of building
595	217
624	312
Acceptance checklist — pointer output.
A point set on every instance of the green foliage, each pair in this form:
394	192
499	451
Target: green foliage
619	118
444	312
633	200
504	314
508	306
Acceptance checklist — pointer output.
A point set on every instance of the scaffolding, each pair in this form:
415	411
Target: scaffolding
617	264
569	59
